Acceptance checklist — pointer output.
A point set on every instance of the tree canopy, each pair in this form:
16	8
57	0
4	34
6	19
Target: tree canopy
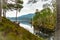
45	19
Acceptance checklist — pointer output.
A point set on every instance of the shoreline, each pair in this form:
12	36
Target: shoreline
27	27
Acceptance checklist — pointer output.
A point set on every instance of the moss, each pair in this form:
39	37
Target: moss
12	31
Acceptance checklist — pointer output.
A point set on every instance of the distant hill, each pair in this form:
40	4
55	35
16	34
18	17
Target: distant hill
23	17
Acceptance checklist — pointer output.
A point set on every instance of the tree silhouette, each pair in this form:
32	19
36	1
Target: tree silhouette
32	1
4	7
18	6
9	6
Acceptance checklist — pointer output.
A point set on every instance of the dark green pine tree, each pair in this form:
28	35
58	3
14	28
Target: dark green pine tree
18	6
4	7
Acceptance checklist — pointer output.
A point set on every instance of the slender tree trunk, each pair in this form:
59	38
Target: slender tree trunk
4	11
0	10
57	32
16	15
16	10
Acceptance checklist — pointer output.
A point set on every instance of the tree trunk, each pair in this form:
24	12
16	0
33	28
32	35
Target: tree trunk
16	15
57	32
4	11
0	10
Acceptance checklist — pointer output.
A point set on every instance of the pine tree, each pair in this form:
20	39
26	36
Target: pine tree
4	7
18	6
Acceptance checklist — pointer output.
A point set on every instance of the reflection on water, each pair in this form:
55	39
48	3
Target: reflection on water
25	22
27	26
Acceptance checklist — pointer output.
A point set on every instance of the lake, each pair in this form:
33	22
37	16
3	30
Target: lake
27	26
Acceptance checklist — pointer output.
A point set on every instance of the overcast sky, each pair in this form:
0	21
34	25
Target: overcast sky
27	8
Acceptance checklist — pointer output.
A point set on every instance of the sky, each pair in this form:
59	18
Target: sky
27	8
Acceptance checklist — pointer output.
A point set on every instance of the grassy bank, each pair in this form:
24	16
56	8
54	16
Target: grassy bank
12	31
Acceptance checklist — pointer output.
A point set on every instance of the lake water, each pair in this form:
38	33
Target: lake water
27	26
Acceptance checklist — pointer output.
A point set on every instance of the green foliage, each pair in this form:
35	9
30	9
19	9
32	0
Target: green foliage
10	6
5	6
17	5
19	1
12	31
45	19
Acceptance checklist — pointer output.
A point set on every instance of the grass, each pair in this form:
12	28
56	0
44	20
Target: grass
12	31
